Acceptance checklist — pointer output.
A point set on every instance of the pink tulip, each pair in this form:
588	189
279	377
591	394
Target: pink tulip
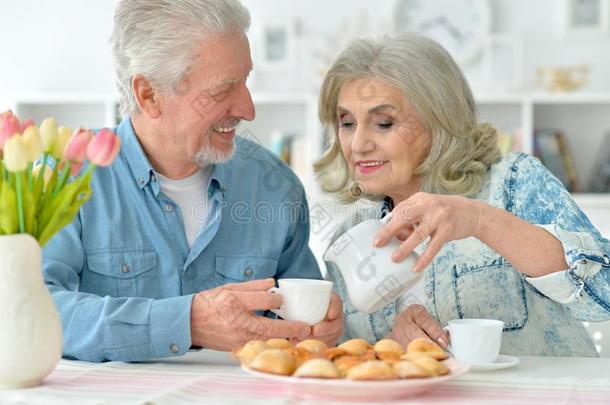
76	148
27	123
103	148
9	126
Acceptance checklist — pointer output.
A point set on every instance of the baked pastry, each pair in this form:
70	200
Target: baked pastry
249	351
430	365
388	357
300	355
278	343
408	369
344	363
372	370
355	347
317	368
427	346
274	361
333	353
312	345
389	345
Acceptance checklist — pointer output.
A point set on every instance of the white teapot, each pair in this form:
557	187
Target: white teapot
372	279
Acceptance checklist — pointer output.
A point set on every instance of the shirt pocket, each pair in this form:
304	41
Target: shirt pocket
493	291
237	269
122	274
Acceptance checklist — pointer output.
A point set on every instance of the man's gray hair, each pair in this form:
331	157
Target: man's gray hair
156	38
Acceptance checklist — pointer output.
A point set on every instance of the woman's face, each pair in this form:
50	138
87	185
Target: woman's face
381	137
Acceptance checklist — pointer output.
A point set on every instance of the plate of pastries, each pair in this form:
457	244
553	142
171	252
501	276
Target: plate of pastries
355	369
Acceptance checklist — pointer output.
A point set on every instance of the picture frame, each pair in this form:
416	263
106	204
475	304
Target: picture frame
276	43
586	17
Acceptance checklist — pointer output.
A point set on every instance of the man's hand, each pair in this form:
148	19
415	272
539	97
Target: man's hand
415	322
223	318
330	329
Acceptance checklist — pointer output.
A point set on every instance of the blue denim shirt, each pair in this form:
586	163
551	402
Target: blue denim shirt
122	275
542	316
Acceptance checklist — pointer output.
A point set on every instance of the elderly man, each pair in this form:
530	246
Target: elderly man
172	250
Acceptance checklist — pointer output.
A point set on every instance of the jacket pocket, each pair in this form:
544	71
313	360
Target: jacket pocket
122	274
236	269
494	291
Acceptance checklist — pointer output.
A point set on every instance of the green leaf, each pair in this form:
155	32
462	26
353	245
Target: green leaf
61	210
29	210
8	209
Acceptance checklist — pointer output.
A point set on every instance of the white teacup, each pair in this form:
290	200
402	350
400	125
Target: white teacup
475	341
304	300
372	278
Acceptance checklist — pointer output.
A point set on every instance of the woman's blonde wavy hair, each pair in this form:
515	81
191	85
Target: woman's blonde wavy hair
462	149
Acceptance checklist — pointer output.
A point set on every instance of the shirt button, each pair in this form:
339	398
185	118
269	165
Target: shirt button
249	272
141	181
173	348
169	207
125	268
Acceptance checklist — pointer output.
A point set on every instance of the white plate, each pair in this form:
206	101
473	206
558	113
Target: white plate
503	361
313	388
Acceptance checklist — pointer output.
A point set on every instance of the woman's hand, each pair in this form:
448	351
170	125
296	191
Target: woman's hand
442	218
415	322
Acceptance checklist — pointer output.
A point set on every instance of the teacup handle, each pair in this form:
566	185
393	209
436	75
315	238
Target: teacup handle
280	311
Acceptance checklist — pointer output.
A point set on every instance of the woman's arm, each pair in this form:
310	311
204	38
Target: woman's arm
529	248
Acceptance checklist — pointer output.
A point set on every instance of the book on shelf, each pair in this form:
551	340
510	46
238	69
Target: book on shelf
600	178
551	147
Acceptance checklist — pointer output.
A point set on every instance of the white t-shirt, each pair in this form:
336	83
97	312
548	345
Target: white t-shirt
191	195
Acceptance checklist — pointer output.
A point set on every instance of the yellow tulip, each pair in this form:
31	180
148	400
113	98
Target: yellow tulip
33	143
48	134
15	154
63	136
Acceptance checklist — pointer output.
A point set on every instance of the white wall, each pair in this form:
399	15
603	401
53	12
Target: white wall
62	45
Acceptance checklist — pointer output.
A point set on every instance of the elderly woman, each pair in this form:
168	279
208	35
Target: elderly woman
505	239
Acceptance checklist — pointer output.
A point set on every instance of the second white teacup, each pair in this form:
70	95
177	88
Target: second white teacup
303	300
475	341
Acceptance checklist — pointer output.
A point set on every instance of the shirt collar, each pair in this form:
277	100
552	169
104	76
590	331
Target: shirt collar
139	164
143	171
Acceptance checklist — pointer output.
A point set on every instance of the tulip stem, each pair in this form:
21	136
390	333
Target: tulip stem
43	167
29	175
19	203
62	178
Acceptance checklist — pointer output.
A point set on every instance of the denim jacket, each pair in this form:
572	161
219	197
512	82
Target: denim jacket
542	316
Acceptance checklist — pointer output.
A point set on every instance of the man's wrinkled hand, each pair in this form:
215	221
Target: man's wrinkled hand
223	318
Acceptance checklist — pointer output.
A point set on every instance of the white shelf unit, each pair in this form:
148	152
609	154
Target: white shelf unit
583	118
73	110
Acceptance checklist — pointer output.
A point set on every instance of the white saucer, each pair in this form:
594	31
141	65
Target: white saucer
503	361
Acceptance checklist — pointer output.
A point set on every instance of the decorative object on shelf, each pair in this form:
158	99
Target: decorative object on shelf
562	79
461	26
36	201
600	179
502	62
275	45
551	147
586	17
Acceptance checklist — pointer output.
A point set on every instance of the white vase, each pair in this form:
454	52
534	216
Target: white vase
30	329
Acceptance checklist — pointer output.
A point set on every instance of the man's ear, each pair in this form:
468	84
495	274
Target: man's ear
146	96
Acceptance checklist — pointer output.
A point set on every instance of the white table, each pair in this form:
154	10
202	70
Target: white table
212	377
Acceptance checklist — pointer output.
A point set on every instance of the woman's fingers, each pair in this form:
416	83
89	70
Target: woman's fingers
434	246
403	217
429	325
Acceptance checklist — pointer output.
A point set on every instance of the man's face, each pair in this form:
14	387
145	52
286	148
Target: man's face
199	118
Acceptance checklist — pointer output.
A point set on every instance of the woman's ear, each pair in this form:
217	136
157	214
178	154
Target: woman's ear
146	96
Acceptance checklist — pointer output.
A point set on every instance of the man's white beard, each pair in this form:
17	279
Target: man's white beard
210	155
